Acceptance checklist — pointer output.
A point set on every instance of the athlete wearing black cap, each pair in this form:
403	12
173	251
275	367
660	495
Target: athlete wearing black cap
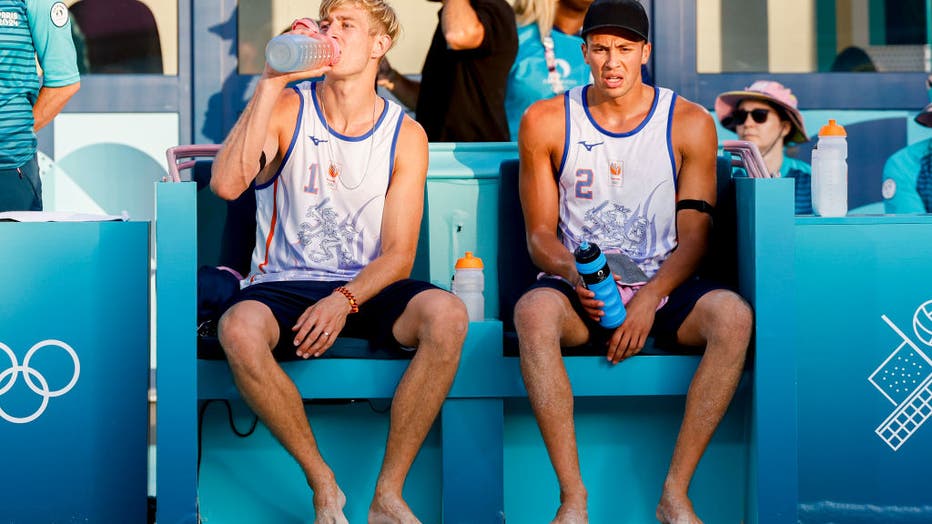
632	168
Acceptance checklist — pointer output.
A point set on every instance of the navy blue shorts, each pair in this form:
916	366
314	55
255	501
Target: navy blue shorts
289	299
667	320
21	188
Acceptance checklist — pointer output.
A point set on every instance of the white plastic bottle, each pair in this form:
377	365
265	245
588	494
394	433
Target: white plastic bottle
296	52
468	284
830	172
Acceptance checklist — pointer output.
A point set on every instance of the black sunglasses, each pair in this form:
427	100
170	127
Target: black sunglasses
759	115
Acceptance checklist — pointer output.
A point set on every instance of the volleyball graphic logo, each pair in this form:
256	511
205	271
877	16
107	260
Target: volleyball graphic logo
922	323
905	379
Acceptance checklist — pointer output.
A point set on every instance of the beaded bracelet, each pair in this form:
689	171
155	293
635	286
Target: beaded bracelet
354	306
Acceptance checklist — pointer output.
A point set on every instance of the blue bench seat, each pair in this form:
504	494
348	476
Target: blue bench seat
472	419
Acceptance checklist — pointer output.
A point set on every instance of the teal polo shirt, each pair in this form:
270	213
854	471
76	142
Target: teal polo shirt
30	29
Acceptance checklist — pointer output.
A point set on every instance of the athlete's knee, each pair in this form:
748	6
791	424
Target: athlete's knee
731	321
242	332
443	320
537	309
735	314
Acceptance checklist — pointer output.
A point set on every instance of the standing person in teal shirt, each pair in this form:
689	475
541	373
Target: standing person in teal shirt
766	114
31	29
550	59
907	175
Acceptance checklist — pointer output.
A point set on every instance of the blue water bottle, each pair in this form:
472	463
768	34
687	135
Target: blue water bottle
594	270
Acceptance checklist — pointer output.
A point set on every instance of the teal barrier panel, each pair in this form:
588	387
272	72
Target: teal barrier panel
842	365
176	378
765	246
863	307
74	366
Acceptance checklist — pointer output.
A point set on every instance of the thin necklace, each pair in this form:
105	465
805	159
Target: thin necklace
335	170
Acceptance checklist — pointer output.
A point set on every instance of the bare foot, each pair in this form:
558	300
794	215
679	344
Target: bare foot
571	514
328	507
676	509
390	509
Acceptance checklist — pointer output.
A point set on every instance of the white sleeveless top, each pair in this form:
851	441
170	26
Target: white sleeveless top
320	216
619	189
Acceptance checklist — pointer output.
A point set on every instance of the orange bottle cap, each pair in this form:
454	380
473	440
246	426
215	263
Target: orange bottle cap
469	262
832	129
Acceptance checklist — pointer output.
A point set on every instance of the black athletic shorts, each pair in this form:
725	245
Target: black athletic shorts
667	320
289	299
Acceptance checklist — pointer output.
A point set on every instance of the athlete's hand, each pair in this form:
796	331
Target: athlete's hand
629	338
317	328
592	306
301	26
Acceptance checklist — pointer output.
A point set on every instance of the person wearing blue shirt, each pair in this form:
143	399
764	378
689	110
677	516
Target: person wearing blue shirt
766	114
907	175
31	29
549	59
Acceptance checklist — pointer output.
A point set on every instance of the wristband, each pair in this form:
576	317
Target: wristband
354	306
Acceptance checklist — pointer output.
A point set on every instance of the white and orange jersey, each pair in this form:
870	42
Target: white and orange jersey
320	216
619	189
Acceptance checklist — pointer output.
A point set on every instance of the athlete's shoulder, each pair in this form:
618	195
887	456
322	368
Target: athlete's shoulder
412	130
690	112
546	111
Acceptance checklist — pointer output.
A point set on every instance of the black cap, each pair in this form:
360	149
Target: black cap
628	15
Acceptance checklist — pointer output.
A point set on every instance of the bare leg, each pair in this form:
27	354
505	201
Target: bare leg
248	332
544	319
435	322
722	321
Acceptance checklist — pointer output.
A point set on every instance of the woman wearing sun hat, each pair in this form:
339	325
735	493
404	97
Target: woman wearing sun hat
766	114
907	175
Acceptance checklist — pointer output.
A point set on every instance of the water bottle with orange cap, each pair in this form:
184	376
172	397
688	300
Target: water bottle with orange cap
830	172
468	283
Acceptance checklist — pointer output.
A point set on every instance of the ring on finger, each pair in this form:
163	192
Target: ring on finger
326	334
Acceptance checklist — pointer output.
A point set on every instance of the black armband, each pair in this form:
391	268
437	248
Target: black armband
699	205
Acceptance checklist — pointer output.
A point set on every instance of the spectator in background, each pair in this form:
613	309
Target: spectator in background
549	59
28	30
461	95
907	175
766	115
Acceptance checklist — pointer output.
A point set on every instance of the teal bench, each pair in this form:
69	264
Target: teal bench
473	418
184	381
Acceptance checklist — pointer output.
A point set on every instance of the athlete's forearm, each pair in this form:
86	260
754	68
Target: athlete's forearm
551	256
379	273
240	159
684	261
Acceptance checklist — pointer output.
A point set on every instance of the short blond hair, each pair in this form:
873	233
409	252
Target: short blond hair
381	15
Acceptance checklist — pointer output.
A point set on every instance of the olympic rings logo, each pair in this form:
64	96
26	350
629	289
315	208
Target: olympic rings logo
31	376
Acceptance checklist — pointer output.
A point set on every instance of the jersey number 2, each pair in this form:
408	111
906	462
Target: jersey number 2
584	183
